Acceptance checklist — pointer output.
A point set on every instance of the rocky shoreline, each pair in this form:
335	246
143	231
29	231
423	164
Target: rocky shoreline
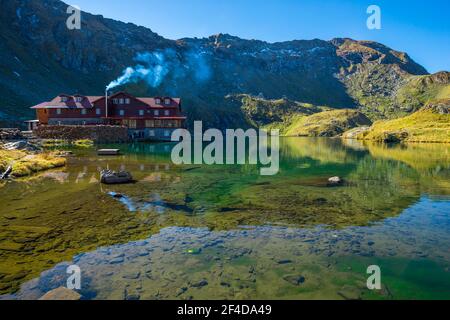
23	158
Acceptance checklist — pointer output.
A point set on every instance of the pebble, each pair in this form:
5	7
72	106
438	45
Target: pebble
181	291
285	261
200	284
132	276
295	279
117	260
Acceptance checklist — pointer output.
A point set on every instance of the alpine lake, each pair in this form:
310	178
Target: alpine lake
226	232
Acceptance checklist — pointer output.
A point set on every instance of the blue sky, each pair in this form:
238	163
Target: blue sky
420	28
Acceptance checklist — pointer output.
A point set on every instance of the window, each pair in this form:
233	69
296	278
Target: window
133	124
58	111
167	101
83	111
121	113
166	113
152	133
156	113
121	101
127	101
98	111
115	101
141	112
149	123
64	99
158	101
79	99
167	133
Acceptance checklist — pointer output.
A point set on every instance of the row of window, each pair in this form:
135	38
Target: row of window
127	101
121	101
77	99
98	112
142	113
152	133
167	101
154	123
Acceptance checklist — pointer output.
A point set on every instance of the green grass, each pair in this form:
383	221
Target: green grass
24	164
52	143
274	114
422	126
327	123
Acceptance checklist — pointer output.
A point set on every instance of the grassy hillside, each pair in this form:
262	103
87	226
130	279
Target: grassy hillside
420	90
328	123
429	124
273	114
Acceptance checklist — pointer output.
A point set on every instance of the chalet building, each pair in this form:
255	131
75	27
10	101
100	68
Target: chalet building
146	118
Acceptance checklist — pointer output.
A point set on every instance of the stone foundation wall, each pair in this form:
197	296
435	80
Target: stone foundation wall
10	134
101	134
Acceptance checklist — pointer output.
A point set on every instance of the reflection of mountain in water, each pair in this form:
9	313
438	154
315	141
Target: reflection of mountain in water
52	217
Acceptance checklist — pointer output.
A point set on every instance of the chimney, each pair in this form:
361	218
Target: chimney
106	102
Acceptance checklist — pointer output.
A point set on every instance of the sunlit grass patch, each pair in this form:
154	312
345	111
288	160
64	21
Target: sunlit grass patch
24	164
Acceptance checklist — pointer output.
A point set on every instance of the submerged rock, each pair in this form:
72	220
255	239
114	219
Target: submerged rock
199	284
296	280
132	276
350	293
61	293
284	261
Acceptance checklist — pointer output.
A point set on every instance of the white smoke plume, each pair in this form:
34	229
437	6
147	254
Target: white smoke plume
153	67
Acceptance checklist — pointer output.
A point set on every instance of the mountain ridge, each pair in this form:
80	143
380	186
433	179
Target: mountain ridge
42	58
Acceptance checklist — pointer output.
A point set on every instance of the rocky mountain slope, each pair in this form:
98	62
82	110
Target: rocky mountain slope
40	58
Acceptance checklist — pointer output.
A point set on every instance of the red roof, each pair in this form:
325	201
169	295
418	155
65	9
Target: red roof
88	102
175	102
40	105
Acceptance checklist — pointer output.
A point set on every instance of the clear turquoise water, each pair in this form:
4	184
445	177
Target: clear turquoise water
225	232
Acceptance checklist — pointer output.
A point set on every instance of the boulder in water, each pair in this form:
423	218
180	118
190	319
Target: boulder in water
61	294
111	177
